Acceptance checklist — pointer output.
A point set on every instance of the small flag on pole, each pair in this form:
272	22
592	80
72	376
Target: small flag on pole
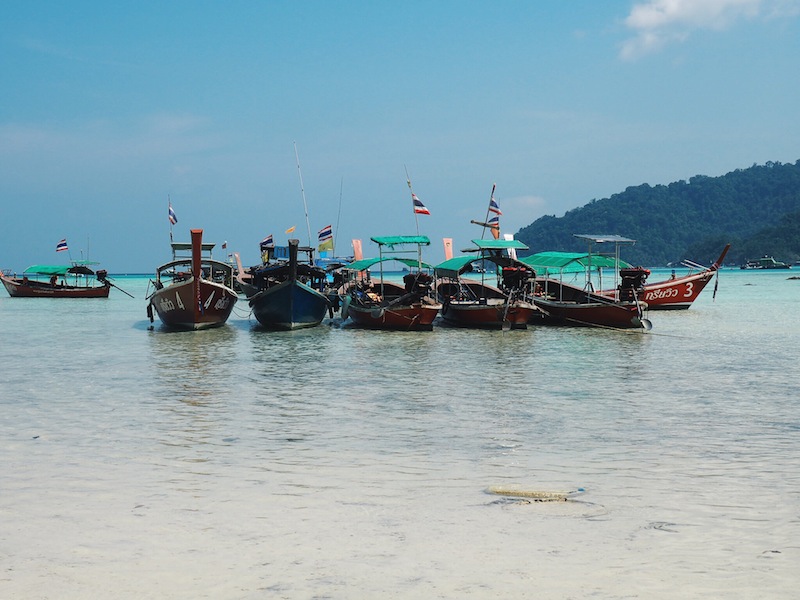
358	253
448	248
494	226
224	244
493	206
267	242
172	217
62	246
326	238
419	207
291	229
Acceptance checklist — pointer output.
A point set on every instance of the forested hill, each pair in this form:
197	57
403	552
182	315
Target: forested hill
757	210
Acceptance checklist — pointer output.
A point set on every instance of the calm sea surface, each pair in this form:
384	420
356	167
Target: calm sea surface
340	463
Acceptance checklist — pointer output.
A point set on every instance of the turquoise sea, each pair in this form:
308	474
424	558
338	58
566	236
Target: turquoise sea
338	463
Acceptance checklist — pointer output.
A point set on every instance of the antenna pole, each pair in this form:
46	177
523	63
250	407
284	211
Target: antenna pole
416	219
338	216
413	208
486	220
302	193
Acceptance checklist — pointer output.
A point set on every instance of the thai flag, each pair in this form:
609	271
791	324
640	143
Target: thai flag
267	242
325	234
419	207
172	217
493	206
62	246
494	225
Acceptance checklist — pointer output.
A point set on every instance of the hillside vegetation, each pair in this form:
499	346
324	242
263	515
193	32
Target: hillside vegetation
757	210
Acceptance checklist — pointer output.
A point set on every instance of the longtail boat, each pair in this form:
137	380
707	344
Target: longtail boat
565	303
477	303
194	291
284	293
386	304
76	280
678	293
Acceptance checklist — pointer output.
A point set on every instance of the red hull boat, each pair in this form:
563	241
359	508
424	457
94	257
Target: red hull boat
41	281
199	295
472	303
477	305
373	311
566	304
679	292
384	304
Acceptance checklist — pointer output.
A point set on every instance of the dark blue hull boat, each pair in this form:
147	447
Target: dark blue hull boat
289	305
282	294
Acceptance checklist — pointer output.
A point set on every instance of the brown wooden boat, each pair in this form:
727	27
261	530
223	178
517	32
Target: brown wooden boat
476	303
58	281
195	291
384	304
678	293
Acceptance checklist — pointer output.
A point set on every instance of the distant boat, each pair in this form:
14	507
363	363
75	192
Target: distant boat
387	305
194	291
285	293
564	303
766	262
478	304
76	280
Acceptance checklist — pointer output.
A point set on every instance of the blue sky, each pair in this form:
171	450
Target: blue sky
109	109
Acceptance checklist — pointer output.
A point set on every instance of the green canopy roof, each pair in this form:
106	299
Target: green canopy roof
366	263
48	269
453	267
394	240
570	262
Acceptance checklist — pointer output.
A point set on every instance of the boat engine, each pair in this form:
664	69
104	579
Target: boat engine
516	278
101	275
631	285
419	283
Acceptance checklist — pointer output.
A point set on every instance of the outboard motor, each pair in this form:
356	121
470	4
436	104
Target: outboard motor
516	278
101	275
631	285
417	283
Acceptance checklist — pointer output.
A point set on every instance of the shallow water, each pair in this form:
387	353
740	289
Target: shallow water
340	463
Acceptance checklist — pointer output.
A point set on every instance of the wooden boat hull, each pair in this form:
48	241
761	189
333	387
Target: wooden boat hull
565	304
488	314
596	314
18	288
676	294
193	304
414	317
289	305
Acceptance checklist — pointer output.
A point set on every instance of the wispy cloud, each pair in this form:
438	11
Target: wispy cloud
658	23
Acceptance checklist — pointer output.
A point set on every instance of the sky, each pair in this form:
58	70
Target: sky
111	111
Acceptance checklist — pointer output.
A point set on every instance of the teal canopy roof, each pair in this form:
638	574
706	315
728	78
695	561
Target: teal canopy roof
453	267
48	269
570	262
366	263
394	240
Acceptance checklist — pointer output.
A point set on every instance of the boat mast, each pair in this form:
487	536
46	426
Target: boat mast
416	218
302	193
338	216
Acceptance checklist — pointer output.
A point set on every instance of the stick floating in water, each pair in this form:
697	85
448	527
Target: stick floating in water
535	495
